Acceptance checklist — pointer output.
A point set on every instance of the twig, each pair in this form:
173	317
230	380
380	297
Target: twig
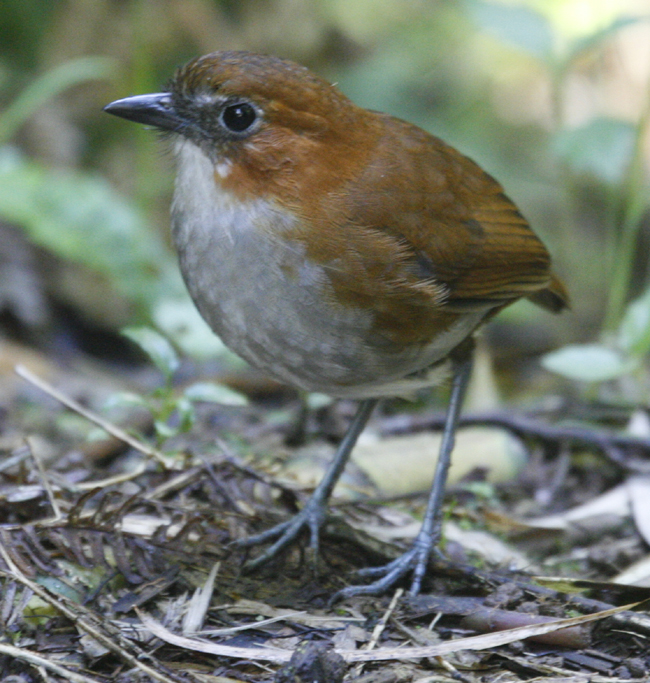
39	661
380	628
253	625
636	621
110	481
44	478
381	625
439	660
109	427
84	623
611	443
452	670
177	481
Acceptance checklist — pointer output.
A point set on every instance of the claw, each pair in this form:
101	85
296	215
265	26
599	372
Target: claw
417	557
314	514
311	516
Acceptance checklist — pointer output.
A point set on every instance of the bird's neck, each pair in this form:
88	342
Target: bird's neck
205	211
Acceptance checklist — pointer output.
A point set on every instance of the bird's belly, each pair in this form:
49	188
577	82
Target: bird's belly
277	309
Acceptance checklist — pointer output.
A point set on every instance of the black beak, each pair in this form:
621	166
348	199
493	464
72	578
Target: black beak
155	109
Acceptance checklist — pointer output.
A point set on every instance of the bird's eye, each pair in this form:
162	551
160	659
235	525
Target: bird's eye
238	117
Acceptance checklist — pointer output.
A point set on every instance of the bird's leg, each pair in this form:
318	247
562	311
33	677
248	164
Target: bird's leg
416	558
314	513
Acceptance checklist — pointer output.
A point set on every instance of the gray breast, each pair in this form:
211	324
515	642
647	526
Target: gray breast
268	303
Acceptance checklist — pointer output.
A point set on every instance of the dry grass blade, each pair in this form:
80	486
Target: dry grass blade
256	654
111	481
199	603
381	626
481	642
37	660
109	427
107	637
44	478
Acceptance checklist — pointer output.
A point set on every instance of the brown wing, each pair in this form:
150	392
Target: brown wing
421	235
461	229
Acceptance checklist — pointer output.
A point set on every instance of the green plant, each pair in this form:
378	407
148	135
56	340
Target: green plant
623	353
80	218
604	153
173	411
604	149
47	86
76	214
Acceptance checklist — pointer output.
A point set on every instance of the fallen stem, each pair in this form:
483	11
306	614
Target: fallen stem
109	427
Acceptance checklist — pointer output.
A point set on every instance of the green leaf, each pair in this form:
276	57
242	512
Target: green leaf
79	217
602	148
214	393
595	40
520	26
178	318
186	414
47	86
316	400
634	332
163	430
156	347
125	399
588	363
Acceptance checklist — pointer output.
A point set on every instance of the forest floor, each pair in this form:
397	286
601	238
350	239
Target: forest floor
117	563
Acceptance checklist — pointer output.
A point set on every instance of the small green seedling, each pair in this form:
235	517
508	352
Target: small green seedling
622	354
173	411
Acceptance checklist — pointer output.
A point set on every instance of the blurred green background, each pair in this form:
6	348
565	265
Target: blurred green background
550	96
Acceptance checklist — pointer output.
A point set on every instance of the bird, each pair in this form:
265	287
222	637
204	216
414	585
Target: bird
339	250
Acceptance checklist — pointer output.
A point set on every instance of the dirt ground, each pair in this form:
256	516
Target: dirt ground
117	562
